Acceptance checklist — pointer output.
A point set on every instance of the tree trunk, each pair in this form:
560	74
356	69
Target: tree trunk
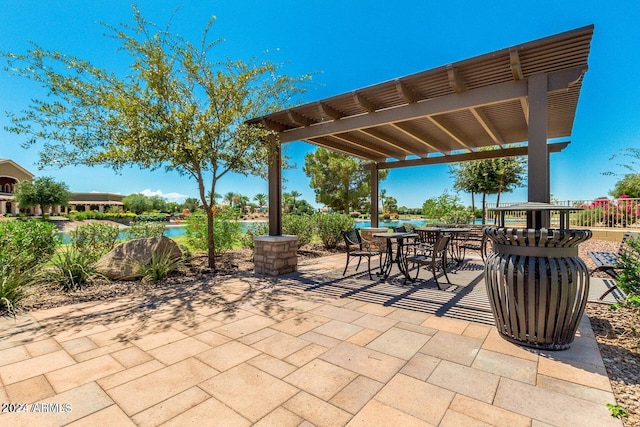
211	244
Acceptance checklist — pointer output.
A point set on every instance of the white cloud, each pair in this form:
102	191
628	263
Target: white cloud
172	197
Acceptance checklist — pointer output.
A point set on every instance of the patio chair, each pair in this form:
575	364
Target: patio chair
361	248
475	241
428	239
409	243
436	259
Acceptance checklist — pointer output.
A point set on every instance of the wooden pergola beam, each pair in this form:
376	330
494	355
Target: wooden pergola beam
465	157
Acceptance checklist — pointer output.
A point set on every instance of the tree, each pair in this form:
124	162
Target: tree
294	195
136	202
261	198
229	198
390	205
140	203
177	109
489	176
43	192
629	183
339	181
446	209
191	203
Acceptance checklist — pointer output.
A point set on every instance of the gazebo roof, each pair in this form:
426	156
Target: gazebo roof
452	111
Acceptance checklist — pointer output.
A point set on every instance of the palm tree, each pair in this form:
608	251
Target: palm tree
261	198
294	194
228	197
286	202
383	197
242	201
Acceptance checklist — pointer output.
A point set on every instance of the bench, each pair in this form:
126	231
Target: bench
607	262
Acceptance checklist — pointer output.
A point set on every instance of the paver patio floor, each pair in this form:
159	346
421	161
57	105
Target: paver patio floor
309	348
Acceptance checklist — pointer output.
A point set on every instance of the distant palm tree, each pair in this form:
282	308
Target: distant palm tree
294	194
383	196
228	197
261	198
286	202
241	201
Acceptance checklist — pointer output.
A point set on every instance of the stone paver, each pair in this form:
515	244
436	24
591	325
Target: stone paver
301	358
321	379
249	391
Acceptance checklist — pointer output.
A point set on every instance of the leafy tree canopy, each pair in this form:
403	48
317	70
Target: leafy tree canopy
140	203
446	209
177	108
191	203
629	185
489	176
43	191
339	181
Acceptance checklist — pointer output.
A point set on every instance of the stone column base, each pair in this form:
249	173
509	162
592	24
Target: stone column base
378	242
275	255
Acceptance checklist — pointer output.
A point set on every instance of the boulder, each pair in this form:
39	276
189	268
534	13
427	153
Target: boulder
123	262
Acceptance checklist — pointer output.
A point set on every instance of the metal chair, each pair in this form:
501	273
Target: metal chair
436	259
475	241
361	248
410	243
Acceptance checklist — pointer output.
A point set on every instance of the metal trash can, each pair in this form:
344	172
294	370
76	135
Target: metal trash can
537	284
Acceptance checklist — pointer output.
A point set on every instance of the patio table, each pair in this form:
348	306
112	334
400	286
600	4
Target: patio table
399	259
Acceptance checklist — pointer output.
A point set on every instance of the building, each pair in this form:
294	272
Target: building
12	173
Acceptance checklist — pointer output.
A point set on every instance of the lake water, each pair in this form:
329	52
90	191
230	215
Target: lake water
392	223
180	231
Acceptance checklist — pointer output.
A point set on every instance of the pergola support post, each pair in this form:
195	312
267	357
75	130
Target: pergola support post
374	196
538	155
275	188
275	254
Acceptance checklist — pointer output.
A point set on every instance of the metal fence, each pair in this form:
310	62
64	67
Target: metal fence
599	213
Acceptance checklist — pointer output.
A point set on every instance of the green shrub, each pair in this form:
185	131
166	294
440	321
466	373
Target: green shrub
226	230
587	217
72	269
148	217
94	239
329	227
145	229
84	215
302	226
629	278
186	252
120	216
162	263
255	229
27	244
408	226
13	287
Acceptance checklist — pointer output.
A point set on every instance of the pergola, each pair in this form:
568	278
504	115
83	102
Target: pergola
506	103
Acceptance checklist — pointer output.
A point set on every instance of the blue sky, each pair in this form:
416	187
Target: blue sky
348	45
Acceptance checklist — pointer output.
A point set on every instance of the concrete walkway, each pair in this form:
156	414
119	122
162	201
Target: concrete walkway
310	348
